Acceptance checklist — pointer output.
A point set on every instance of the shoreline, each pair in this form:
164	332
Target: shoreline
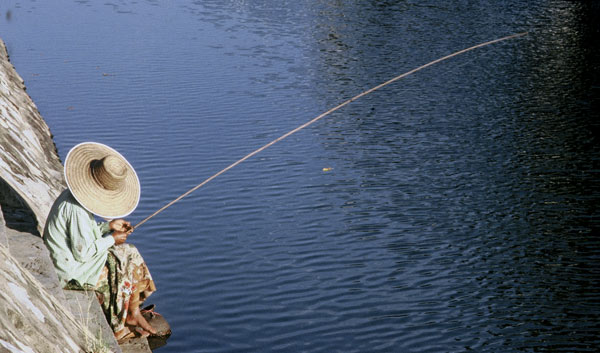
37	315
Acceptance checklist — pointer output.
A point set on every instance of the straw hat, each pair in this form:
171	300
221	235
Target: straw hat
102	180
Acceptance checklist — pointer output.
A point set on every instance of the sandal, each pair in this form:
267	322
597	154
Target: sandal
156	320
149	310
130	332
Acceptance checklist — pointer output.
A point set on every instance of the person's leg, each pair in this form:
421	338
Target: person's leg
138	281
134	315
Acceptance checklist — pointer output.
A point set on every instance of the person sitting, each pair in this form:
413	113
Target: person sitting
90	255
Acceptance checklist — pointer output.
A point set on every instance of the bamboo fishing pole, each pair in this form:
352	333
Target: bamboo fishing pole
319	117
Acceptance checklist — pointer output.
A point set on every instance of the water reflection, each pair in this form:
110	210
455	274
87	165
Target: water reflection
550	189
527	175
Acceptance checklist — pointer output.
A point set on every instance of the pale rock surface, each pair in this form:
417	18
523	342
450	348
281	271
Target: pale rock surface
29	163
32	320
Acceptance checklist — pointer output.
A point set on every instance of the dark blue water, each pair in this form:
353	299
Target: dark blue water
460	210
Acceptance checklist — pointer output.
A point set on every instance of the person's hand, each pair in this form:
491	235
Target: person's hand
120	225
120	237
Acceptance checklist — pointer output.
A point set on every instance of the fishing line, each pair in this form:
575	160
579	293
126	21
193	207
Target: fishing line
314	120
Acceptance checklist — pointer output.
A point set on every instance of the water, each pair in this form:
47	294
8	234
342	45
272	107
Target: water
460	211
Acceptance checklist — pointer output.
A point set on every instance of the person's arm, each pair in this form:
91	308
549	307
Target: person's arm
104	227
84	245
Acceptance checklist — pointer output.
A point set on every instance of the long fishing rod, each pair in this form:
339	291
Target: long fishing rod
324	115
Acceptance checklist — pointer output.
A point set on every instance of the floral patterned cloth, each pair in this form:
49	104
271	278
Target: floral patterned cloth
124	280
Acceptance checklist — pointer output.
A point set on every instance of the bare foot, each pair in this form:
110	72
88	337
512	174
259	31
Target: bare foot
135	318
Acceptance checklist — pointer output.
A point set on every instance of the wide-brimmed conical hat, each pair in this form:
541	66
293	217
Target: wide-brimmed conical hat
102	180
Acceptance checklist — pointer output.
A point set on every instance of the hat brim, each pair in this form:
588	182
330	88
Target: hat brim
92	196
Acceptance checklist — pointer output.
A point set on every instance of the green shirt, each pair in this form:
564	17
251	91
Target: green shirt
75	241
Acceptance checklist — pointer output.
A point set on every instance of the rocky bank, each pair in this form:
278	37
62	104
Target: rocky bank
36	315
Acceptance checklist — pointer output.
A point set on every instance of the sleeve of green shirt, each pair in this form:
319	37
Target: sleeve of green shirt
85	242
104	227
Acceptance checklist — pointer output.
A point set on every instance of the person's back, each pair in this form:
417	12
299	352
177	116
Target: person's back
75	241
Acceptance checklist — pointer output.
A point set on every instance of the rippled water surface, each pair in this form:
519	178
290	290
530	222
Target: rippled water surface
455	210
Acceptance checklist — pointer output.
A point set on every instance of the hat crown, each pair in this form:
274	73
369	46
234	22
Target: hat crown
109	172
